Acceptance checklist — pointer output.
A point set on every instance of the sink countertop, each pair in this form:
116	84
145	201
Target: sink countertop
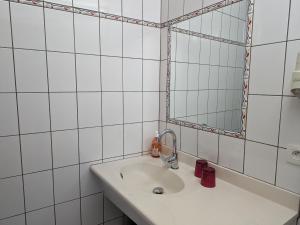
226	204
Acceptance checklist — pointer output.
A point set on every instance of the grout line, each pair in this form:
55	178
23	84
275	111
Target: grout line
142	147
77	113
50	119
282	91
123	97
18	112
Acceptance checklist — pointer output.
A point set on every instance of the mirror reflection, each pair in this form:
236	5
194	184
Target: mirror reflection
207	68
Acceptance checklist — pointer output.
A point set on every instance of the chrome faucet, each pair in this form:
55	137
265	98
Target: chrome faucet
172	160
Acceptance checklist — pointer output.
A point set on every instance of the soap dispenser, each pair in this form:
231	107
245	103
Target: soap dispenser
155	146
296	78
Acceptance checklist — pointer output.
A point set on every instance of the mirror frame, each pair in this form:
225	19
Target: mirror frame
244	108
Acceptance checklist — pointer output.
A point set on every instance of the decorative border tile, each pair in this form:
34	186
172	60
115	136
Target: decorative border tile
206	36
242	133
87	12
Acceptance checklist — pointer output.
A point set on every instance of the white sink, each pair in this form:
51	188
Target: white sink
144	177
236	199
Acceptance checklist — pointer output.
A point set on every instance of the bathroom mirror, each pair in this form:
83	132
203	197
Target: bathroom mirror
208	65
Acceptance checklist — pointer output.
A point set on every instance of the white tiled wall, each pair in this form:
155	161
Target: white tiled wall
75	90
273	113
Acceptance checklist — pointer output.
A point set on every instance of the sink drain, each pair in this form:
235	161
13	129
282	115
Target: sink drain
158	190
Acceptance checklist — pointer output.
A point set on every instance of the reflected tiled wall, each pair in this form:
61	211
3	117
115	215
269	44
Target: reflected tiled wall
273	113
75	90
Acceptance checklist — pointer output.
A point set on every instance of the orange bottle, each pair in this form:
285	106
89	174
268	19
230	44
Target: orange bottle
155	146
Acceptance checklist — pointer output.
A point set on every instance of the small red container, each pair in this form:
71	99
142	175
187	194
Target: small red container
208	177
200	164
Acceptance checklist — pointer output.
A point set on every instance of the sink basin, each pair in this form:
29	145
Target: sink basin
144	177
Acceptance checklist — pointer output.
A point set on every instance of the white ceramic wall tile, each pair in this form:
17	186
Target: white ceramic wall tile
92	209
209	2
288	175
293	47
31	71
150	106
59	22
92	4
86	34
8	114
68	213
177	131
36	152
38	190
290	122
231	153
151	43
149	129
267	68
151	10
163	76
89	183
273	27
208	146
192	97
260	161
42	216
133	8
163	106
110	210
5	33
263	119
111	37
27	26
180	106
132	40
112	108
214	53
133	106
7	81
88	73
90	144
89	109
33	113
192	5
205	51
63	111
164	11
175	8
65	148
63	2
182	47
133	138
189	140
194	49
181	76
111	6
132	74
10	161
16	220
151	75
61	71
66	184
294	23
11	197
111	73
112	141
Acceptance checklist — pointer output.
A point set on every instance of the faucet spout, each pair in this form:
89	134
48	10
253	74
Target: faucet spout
172	160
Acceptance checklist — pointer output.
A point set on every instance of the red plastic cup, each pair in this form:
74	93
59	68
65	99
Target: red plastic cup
208	177
200	164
